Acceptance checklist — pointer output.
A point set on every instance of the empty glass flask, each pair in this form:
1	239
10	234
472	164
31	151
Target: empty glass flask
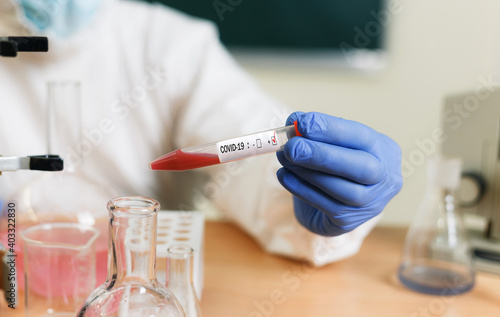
131	288
437	258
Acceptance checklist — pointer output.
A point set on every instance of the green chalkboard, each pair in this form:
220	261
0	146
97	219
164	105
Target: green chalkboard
292	24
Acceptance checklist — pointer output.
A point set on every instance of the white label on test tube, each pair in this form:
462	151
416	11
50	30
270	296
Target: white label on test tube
246	146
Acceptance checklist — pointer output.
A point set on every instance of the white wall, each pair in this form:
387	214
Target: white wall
436	48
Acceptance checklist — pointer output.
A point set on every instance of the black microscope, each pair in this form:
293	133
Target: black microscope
9	47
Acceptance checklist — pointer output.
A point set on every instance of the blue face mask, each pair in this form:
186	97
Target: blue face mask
60	17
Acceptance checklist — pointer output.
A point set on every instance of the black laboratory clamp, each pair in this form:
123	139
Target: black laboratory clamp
11	45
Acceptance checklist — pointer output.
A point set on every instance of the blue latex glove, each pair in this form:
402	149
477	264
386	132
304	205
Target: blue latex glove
341	173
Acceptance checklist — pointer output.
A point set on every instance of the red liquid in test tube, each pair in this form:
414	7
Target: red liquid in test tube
226	151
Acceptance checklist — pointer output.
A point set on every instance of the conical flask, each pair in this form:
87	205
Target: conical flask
180	278
436	257
131	288
70	195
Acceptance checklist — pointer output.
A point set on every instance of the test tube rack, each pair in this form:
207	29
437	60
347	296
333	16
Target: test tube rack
181	227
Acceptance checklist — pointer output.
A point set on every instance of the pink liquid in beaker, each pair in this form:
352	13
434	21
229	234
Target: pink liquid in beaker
101	250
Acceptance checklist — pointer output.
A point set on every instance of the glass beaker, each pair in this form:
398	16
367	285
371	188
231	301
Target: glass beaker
437	258
180	278
67	196
59	267
131	288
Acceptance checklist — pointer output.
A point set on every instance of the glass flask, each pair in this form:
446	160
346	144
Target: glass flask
180	278
67	196
437	258
131	288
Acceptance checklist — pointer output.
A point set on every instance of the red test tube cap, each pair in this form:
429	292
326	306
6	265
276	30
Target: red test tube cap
297	129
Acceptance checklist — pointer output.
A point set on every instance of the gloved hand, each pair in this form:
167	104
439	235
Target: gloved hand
341	173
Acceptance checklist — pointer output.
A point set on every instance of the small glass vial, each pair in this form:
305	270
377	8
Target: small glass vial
180	278
131	288
437	258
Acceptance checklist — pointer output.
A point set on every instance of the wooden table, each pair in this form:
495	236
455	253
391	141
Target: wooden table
243	281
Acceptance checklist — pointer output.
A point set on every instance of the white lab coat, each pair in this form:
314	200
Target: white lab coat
154	80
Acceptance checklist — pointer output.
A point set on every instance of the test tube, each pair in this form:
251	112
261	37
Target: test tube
238	148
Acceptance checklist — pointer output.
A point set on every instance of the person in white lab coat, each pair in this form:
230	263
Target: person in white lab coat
155	80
